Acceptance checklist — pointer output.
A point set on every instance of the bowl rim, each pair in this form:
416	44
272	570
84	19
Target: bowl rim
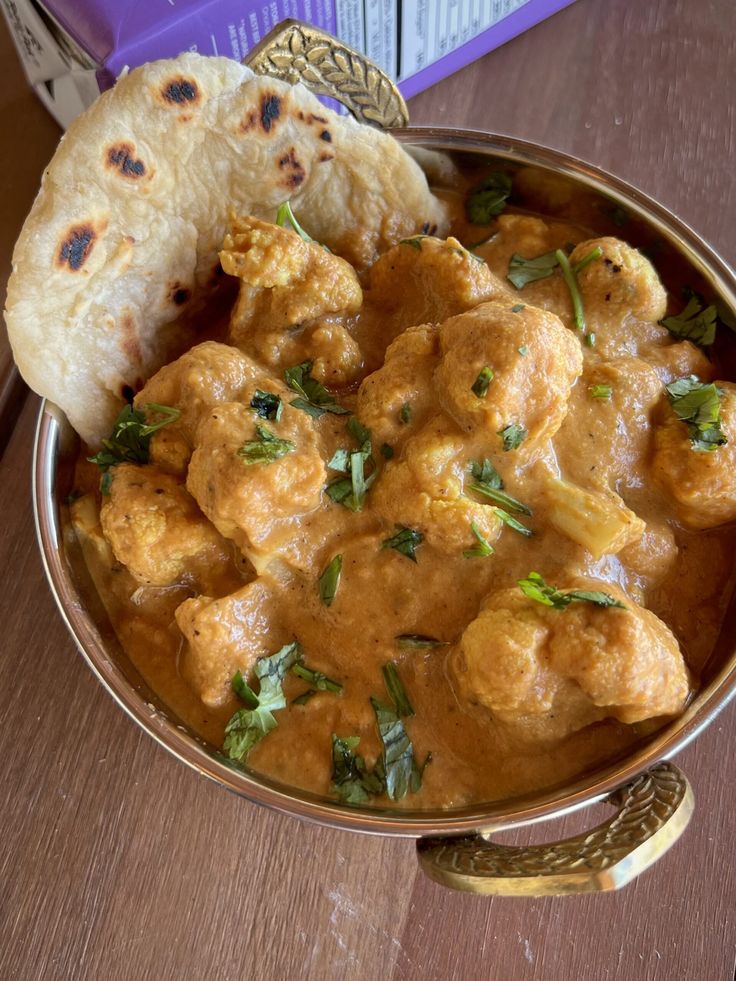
528	809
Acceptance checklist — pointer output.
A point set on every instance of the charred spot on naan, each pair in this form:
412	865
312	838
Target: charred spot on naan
293	169
76	245
181	91
121	157
270	110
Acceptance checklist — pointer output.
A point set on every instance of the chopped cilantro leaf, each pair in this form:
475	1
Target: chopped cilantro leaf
524	271
352	783
405	414
518	307
600	391
405	540
351	490
314	399
250	724
418	641
387	451
396	690
488	198
694	323
330	580
320	681
512	436
266	448
482	383
534	587
130	438
267	405
415	242
512	522
398	752
523	350
482	549
698	405
487	481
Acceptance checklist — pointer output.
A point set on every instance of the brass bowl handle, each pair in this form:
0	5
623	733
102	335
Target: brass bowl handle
653	811
296	52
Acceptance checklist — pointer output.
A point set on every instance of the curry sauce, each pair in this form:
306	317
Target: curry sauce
491	438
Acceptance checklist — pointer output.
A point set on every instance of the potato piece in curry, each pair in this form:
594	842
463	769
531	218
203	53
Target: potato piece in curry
468	436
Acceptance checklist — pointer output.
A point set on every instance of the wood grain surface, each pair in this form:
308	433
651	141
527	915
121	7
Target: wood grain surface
116	862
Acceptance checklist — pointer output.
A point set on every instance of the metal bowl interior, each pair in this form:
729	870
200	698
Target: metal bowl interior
683	257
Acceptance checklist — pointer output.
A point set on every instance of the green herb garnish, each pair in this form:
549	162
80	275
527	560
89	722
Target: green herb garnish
350	491
524	271
398	752
418	641
330	580
570	276
387	451
250	724
487	481
314	399
482	549
405	540
352	782
512	522
535	588
396	690
488	198
284	216
694	323
523	350
267	405
518	307
594	254
698	405
131	436
320	681
600	391
266	448
405	414
512	435
415	242
482	382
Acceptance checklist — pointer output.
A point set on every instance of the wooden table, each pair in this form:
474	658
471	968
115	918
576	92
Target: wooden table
116	862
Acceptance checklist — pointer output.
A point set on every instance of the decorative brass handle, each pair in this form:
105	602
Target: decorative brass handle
296	52
653	811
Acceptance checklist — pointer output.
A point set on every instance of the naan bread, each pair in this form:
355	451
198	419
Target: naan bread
121	243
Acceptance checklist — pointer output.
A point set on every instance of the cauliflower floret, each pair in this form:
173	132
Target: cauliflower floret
651	557
424	491
254	503
618	425
405	379
425	280
702	484
228	635
549	672
678	360
155	528
207	374
622	277
285	282
534	360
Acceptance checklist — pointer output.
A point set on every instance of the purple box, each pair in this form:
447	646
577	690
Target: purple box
73	49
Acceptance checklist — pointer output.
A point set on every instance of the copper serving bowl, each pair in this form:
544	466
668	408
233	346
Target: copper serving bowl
653	798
